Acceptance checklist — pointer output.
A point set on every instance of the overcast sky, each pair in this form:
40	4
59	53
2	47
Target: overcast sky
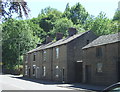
94	7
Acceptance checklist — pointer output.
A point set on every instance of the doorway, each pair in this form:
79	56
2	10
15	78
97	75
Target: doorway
63	75
29	72
88	73
119	71
78	72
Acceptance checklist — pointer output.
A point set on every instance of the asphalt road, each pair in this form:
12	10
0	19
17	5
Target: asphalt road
10	82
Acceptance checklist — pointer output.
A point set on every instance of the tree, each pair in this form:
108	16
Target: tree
116	16
47	17
116	19
102	25
7	8
76	13
18	40
62	25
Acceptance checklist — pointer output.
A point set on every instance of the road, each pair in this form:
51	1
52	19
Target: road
10	82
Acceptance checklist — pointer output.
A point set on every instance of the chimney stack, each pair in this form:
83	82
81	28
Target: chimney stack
48	39
59	36
72	31
39	44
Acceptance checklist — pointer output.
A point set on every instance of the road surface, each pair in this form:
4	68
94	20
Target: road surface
10	82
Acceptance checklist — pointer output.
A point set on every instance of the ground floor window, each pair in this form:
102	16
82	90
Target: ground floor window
26	70
34	70
57	71
44	71
99	67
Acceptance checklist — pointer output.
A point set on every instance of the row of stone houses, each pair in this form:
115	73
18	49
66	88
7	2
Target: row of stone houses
80	57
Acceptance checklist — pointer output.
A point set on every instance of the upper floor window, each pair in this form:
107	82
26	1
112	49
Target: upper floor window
99	67
98	52
26	68
26	59
44	55
57	53
34	55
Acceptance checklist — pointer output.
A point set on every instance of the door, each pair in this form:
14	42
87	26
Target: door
88	73
37	72
78	71
63	75
118	70
29	71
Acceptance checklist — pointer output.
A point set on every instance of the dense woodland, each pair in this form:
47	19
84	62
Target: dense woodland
20	36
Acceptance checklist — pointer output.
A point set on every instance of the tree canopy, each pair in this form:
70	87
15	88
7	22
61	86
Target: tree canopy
7	8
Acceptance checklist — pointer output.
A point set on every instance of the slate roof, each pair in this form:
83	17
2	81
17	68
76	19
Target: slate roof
105	39
59	42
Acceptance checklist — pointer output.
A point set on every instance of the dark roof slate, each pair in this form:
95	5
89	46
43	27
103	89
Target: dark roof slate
57	43
105	39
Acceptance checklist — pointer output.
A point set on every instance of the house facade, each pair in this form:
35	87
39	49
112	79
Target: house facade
101	61
59	61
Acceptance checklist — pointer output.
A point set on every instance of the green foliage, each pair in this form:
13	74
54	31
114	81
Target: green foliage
10	7
47	17
102	25
116	16
76	13
17	39
62	25
116	19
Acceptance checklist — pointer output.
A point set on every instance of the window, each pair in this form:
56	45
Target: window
44	55
99	67
98	52
44	71
34	56
57	71
25	69
34	70
26	59
57	53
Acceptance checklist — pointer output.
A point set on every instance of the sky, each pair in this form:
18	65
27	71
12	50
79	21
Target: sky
93	7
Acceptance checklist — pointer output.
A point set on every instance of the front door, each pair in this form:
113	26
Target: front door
63	75
118	70
78	71
37	72
88	73
29	71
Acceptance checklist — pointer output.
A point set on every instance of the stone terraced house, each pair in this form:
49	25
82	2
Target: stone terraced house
59	61
101	60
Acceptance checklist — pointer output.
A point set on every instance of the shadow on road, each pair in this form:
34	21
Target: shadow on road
77	86
47	82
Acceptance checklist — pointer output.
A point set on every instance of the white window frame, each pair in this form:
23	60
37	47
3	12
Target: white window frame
26	70
44	71
57	52
57	71
26	59
44	55
99	67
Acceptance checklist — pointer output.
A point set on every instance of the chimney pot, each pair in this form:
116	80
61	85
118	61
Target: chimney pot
72	31
48	39
59	36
